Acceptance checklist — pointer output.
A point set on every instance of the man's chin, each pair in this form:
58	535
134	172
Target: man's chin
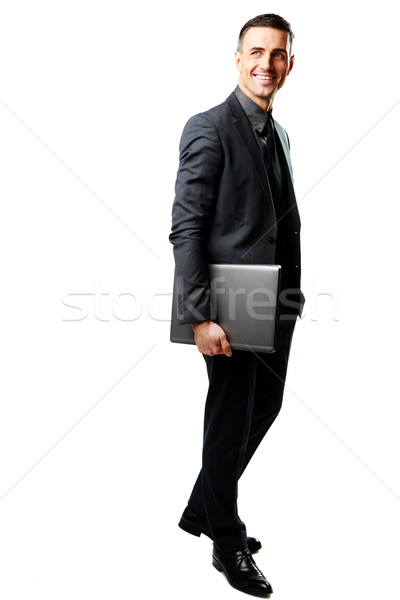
268	94
265	95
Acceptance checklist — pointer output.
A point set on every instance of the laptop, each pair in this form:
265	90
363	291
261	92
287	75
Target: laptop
244	300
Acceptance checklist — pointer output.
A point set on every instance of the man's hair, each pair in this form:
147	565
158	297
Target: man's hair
268	20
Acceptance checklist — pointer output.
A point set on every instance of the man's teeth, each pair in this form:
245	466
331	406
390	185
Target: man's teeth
263	77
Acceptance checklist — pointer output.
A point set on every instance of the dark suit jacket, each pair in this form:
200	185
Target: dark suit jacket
223	210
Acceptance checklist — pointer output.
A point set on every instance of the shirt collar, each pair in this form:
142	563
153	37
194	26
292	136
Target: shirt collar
256	115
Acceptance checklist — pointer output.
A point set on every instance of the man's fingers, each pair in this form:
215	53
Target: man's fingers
225	346
211	339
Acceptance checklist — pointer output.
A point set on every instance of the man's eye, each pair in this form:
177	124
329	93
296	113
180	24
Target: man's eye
256	52
279	55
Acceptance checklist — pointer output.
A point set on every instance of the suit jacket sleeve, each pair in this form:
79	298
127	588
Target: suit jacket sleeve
200	162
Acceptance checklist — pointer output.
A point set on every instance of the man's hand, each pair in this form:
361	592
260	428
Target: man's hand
211	339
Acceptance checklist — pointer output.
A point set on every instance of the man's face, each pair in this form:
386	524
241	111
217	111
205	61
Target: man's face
263	64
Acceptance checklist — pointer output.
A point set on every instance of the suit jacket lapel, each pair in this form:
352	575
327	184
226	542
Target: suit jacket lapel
284	143
245	131
291	194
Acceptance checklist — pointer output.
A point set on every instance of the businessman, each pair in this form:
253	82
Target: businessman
235	203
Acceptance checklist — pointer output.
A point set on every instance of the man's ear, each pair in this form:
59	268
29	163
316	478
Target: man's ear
238	61
291	63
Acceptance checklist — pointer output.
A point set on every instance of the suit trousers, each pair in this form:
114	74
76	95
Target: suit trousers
244	398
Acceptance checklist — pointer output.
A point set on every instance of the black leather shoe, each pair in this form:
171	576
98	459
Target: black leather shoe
192	523
242	572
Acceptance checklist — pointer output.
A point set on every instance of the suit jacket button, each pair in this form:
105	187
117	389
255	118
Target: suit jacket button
272	240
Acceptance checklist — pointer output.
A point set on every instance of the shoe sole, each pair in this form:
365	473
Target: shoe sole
220	568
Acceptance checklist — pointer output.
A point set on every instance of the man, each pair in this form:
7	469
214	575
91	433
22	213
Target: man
235	204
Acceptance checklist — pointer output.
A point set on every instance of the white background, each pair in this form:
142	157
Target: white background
101	416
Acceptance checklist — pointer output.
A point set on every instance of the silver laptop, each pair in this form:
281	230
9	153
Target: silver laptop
244	300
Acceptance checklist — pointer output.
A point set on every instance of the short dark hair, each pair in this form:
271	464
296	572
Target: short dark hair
268	20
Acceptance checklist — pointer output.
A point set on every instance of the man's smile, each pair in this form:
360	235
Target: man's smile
263	77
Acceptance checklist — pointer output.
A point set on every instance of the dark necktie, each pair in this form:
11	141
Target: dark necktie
271	159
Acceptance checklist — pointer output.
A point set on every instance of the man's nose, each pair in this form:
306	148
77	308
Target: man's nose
266	61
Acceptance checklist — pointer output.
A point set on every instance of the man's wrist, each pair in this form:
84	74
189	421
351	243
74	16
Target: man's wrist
198	324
